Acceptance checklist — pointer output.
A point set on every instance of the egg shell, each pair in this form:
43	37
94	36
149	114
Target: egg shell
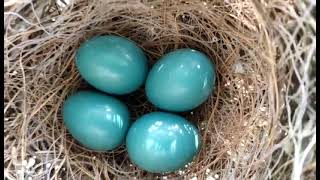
161	142
180	80
112	64
99	122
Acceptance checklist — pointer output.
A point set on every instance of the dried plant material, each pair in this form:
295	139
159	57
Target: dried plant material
250	42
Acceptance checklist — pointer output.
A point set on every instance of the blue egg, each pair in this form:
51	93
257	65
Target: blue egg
162	142
99	122
181	80
112	64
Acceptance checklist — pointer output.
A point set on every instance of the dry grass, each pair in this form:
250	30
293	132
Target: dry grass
249	41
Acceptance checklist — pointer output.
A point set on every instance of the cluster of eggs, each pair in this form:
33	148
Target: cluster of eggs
157	142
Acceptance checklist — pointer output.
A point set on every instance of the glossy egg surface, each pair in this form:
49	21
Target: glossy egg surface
181	80
99	122
162	142
112	64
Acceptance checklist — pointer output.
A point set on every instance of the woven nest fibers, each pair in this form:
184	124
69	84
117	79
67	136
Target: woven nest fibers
238	123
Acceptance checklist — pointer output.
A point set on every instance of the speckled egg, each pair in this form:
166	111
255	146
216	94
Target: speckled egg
99	122
112	64
162	142
181	80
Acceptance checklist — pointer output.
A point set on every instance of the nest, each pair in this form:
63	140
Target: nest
238	123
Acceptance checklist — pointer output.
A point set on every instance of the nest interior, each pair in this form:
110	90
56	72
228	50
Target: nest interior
236	122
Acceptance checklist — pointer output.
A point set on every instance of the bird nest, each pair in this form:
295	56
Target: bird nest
238	123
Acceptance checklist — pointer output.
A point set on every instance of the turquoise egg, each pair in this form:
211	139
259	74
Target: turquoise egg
112	64
99	122
181	80
162	142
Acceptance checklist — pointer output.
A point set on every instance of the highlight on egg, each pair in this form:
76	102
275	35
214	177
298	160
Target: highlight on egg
112	64
97	121
161	142
181	80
